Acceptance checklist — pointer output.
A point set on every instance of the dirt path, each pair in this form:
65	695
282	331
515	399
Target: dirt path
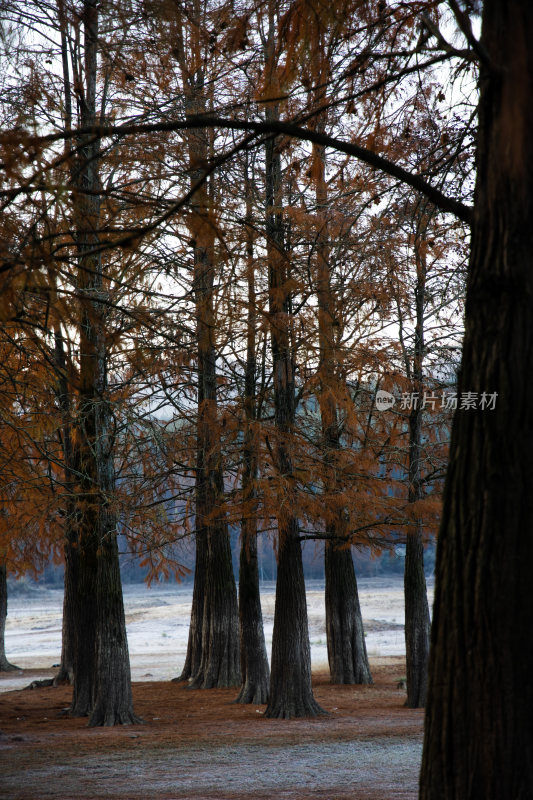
198	744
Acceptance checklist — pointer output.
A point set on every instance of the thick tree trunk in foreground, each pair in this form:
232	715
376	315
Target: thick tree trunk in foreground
84	665
291	694
347	656
212	659
85	613
218	659
5	666
219	663
478	742
102	682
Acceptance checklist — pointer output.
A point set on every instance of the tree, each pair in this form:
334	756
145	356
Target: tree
255	671
484	555
428	360
212	658
347	656
102	681
478	735
71	575
417	621
290	678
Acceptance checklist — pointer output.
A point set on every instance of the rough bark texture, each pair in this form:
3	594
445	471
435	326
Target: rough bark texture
5	666
220	661
290	680
84	660
478	741
113	703
347	656
254	662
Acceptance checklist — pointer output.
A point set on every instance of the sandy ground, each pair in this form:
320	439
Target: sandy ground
157	621
199	744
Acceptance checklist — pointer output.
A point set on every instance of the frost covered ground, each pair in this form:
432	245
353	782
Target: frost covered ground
200	745
158	618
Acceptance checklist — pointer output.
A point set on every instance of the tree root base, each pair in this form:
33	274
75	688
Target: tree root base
256	694
289	710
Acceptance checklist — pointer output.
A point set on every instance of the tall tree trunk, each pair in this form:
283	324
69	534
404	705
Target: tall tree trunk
5	666
291	694
254	662
478	742
347	656
218	660
66	668
102	682
87	211
255	671
219	663
193	657
417	620
64	398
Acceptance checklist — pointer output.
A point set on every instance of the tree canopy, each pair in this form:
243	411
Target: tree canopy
230	230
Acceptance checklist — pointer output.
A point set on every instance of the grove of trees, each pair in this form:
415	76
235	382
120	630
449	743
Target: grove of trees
230	233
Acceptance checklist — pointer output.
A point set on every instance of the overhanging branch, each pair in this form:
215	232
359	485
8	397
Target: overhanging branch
280	128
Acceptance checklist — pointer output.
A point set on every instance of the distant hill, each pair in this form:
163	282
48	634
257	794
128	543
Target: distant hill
366	564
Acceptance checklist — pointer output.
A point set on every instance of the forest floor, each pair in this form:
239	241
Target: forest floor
200	745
